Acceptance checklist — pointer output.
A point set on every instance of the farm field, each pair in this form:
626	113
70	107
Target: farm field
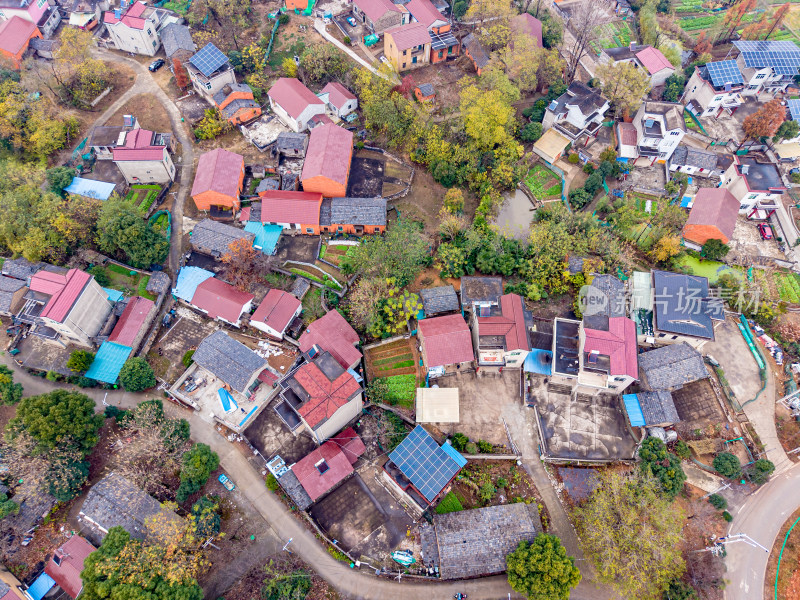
333	253
612	35
396	363
788	287
543	183
693	17
143	196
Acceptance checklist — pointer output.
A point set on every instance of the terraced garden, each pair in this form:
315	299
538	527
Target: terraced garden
788	287
695	16
333	253
396	364
143	196
543	183
612	35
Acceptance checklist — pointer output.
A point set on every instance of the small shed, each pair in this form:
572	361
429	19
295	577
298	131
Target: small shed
425	92
439	300
651	409
437	405
551	145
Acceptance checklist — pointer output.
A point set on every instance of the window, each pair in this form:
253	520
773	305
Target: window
149	32
309	230
340	228
752	196
674	132
717	98
414	60
744	206
404	65
441	53
760	76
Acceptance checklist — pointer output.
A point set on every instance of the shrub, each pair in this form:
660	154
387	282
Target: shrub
114	412
573	159
472	448
485	446
718	501
347	40
727	516
53	376
760	471
579	198
501	482
727	465
187	358
459	441
682	450
100	276
85	382
678	590
80	361
272	483
487	492
283	19
197	466
588	168
531	132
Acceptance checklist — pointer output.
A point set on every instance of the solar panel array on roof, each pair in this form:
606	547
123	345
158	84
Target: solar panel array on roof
724	71
782	56
208	59
428	466
794	109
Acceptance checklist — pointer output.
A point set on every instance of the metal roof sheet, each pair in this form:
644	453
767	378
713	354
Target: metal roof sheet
108	362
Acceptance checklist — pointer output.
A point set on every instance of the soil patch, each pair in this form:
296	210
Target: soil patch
392	359
250	585
150	113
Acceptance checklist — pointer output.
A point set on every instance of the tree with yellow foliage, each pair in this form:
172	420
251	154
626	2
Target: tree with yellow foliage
665	248
624	85
493	18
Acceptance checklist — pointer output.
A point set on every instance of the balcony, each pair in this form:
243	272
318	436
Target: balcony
732	101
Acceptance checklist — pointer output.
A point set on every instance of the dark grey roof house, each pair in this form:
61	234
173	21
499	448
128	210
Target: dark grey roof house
687	156
214	238
115	501
473	543
657	409
671	367
683	307
265	185
290	143
229	360
19	268
177	38
475	51
12	295
481	291
604	299
439	300
353	211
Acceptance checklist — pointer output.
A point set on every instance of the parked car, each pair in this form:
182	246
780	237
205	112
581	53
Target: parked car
351	21
765	231
156	64
226	482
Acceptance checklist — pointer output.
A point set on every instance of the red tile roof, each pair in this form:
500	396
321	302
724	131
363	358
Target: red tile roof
276	310
529	24
328	154
425	12
267	376
63	290
131	321
292	96
308	474
618	343
15	33
627	133
67	575
333	334
319	120
653	60
410	36
338	95
375	9
447	340
218	171
286	206
220	299
511	324
325	397
716	207
139	146
132	17
350	443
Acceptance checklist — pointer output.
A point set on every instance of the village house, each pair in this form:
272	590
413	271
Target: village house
143	157
650	59
713	217
294	103
221	301
12	295
475	52
236	103
332	333
214	238
209	71
339	99
102	139
135	29
501	337
683	309
15	36
66	308
178	45
291	145
713	88
446	344
444	45
379	15
66	564
11	588
42	13
132	326
407	46
439	300
230	361
756	185
276	312
696	162
319	396
660	127
425	92
218	182
326	169
480	294
577	113
356	216
671	367
293	211
768	66
651	409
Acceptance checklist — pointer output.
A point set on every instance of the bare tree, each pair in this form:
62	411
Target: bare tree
585	18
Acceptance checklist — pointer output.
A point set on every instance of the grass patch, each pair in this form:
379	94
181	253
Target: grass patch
450	503
536	179
398	365
142	289
326	281
253	185
709	268
402	390
312	309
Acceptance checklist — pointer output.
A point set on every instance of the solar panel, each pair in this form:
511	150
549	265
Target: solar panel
724	71
782	56
424	463
208	59
794	109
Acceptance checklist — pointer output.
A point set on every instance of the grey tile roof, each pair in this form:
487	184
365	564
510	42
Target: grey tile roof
213	237
426	89
671	367
292	486
159	282
290	141
299	288
624	52
266	184
476	51
236	105
671	111
693	157
353	211
8	286
475	542
581	96
608	293
177	37
658	407
480	289
439	300
229	360
19	268
229	88
115	501
682	306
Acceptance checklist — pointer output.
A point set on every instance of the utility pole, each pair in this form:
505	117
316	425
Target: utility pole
732	539
286	546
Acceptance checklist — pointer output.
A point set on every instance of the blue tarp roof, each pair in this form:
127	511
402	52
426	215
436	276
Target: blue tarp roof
248	415
228	403
113	295
108	362
188	280
355	375
634	410
539	361
43	584
266	236
685	201
90	188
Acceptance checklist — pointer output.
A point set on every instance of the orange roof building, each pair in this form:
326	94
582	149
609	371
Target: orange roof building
713	216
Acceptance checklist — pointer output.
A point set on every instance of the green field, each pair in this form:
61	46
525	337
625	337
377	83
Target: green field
543	183
450	503
709	268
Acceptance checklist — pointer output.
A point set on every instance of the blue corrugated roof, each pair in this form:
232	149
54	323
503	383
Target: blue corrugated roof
43	584
454	454
539	361
188	280
686	201
228	403
90	188
108	362
355	375
267	236
113	295
634	409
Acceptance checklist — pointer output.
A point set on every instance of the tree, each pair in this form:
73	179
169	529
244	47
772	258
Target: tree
542	570
182	80
624	85
632	534
760	471
322	62
765	121
451	226
197	465
232	16
665	248
10	392
552	31
678	590
488	116
717	501
80	361
531	132
289	67
493	19
244	265
787	131
55	419
123	568
727	465
701	44
136	375
714	249
735	14
78	78
399	254
7	507
673	87
60	177
206	517
665	466
122	231
454	201
211	125
584	20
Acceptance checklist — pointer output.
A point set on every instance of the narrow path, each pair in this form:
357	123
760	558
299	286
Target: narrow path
319	26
